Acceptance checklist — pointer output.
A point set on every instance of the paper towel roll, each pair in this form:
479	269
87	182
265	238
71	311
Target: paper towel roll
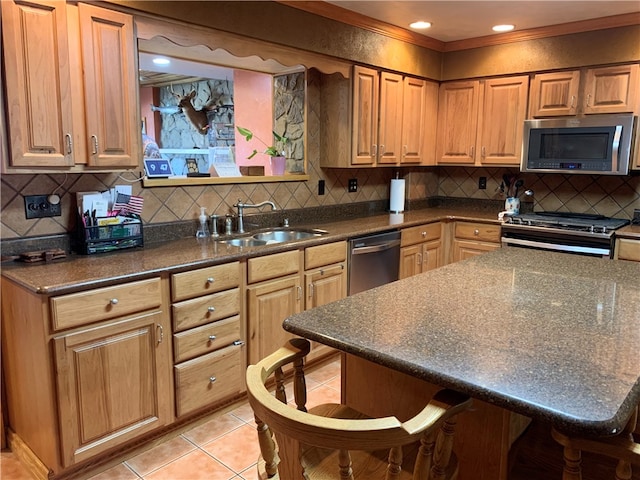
396	204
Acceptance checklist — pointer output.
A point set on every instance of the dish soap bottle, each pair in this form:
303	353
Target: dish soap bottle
203	231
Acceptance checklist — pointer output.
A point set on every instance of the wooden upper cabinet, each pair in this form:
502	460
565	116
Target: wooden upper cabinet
504	109
390	119
111	99
554	94
613	89
365	115
38	101
414	114
457	122
71	86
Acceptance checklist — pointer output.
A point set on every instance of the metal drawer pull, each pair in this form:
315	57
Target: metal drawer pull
113	301
69	143
210	280
212	379
238	343
212	337
211	309
161	335
94	142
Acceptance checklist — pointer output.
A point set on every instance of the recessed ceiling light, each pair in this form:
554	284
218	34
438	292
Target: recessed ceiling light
420	25
161	61
503	28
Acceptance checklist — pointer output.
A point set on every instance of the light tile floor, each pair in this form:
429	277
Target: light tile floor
223	448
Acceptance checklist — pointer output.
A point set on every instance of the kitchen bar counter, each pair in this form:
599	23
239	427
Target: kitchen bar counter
97	270
548	335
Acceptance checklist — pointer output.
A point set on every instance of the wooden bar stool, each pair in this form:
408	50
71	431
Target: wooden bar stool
333	441
623	447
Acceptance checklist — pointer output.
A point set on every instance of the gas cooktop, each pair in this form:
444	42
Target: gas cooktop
585	222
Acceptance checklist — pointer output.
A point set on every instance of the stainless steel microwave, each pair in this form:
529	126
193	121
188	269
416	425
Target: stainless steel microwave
593	144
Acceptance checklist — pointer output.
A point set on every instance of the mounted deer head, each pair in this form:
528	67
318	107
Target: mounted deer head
198	118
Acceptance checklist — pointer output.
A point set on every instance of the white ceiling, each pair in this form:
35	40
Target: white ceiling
458	20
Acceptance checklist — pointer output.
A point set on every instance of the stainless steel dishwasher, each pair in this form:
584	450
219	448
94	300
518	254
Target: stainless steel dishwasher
373	261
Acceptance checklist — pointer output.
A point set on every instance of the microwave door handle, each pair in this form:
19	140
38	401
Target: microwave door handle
615	155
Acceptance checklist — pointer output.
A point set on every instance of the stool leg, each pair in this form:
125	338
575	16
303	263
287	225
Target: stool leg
623	470
572	459
442	452
344	462
267	447
425	455
395	463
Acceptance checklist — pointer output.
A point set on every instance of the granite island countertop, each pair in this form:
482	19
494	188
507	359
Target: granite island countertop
90	271
549	335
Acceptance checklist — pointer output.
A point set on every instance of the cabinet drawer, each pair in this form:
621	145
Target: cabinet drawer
208	379
273	266
202	310
103	303
484	232
205	339
327	254
628	249
421	233
204	280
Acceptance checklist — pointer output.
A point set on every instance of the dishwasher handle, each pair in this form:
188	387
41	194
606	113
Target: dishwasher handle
375	248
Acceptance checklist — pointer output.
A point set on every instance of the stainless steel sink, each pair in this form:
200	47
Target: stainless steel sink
274	235
287	234
245	242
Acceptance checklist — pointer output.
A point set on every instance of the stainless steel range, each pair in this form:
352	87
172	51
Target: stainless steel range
579	233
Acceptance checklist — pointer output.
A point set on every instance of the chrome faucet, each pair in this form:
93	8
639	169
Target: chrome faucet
241	206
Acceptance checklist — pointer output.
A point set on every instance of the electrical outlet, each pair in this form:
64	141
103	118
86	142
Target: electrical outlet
353	185
320	187
38	206
482	183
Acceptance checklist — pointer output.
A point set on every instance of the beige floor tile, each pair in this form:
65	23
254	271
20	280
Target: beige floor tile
161	455
11	468
322	394
237	450
196	465
250	473
324	373
119	472
214	428
243	412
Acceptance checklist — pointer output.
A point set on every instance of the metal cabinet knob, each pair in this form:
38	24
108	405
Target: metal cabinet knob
210	280
212	379
113	301
424	234
211	309
212	337
476	232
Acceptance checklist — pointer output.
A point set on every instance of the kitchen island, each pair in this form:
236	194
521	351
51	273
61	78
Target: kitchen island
550	336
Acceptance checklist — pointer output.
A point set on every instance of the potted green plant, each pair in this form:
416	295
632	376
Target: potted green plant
276	150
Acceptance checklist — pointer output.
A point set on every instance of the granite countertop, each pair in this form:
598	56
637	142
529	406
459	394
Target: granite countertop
549	335
90	271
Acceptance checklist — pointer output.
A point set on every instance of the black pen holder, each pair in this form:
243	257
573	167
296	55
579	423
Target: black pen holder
106	236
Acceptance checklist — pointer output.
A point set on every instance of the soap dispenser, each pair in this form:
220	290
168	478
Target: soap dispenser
203	231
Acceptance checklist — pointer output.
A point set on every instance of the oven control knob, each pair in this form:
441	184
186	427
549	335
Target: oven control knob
591	229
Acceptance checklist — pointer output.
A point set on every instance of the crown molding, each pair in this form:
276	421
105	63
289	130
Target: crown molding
334	12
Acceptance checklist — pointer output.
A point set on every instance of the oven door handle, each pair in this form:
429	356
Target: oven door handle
555	246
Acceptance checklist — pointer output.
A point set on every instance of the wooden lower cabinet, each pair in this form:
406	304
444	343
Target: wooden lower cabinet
420	249
208	336
112	383
474	238
274	292
325	282
627	249
86	372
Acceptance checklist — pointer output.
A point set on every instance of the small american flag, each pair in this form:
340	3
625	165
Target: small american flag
128	204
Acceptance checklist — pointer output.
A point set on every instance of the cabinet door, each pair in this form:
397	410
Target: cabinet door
113	384
430	117
413	120
365	116
269	303
38	100
325	285
504	110
554	94
111	97
431	255
410	261
457	122
390	129
612	89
